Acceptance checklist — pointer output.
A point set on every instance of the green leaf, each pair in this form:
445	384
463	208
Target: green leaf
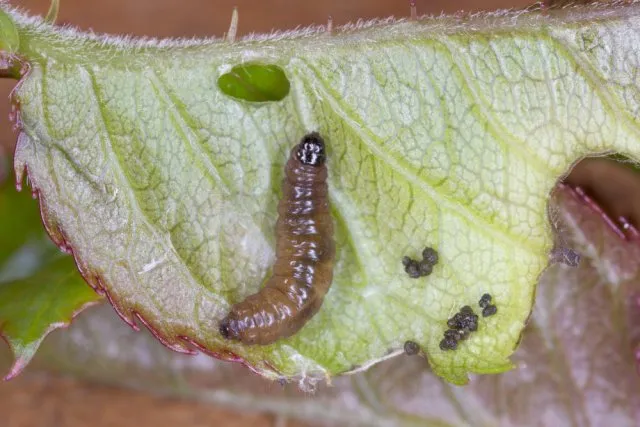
19	217
40	289
440	133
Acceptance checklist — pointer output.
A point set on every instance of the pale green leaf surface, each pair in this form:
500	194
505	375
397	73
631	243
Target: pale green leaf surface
439	133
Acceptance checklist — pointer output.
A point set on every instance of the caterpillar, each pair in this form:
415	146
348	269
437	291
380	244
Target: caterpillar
305	252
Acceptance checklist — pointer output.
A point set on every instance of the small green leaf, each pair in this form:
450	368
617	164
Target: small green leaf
255	82
32	307
40	289
19	219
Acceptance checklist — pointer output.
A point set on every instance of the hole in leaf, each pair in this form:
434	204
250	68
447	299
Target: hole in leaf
255	82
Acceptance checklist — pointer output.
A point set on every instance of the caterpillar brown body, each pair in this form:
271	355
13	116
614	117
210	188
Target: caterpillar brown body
305	253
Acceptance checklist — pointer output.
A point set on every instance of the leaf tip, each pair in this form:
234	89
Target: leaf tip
22	356
16	369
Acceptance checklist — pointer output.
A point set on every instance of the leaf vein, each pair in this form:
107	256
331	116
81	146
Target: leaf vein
436	195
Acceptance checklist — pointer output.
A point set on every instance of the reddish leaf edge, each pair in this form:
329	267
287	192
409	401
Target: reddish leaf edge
183	344
16	63
20	362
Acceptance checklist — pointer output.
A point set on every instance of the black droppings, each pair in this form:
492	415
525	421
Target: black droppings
466	310
411	348
463	334
425	269
461	325
469	322
421	268
451	333
411	267
453	322
489	310
429	256
448	344
465	319
485	300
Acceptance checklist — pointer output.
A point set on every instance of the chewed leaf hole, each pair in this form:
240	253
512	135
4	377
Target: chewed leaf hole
255	82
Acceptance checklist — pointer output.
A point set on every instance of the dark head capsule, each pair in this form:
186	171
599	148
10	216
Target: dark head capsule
311	150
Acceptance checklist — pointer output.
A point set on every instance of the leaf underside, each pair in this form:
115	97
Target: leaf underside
439	133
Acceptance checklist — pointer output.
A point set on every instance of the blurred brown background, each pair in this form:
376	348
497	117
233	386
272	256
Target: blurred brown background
33	400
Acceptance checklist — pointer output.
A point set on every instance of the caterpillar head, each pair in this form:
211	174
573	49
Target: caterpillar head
311	150
229	329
